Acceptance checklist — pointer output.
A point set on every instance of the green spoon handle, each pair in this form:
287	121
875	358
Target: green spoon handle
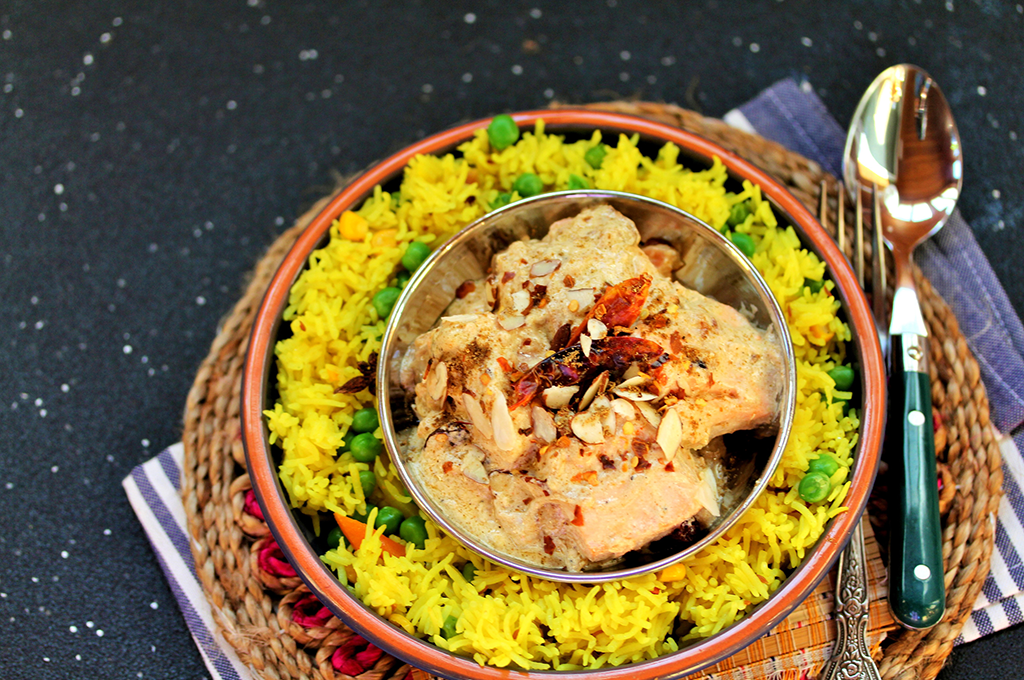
917	593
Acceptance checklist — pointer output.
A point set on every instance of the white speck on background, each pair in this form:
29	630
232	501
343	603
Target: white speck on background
87	59
35	579
624	77
105	38
737	41
42	414
467	77
308	55
145	443
1013	135
73	629
200	301
106	532
18	113
949	5
154	605
38	402
265	20
652	79
880	51
470	18
117	21
231	105
624	55
64	388
78	657
7	34
64	554
39	325
517	70
911	41
127	349
58	189
90	624
535	13
872	36
55	469
806	42
99	633
995	193
982	90
549	93
427	88
755	48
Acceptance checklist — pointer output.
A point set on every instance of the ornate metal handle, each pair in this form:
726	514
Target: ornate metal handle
851	658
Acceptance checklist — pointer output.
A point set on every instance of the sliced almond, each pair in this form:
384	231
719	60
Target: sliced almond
624	408
635	381
501	421
458	318
596	329
510	323
544	427
707	492
583	297
545	267
649	413
588	428
634	394
476	415
585	342
556	398
596	387
437	382
520	300
670	433
632	371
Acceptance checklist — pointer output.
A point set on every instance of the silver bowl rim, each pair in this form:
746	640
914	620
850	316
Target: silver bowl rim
437	258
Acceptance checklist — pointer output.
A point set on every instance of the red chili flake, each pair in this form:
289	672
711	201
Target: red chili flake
302	325
251	506
577	519
446	467
670	467
549	545
655	591
464	289
507	276
505	365
659	320
272	560
538	293
308	612
527	500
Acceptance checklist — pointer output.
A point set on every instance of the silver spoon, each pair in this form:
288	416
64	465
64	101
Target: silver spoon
904	153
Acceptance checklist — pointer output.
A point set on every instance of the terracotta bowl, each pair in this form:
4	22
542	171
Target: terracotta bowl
291	532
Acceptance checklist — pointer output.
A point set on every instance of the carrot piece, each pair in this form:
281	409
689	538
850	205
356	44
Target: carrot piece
355	532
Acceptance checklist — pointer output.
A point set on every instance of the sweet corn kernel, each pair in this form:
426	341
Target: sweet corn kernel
352	226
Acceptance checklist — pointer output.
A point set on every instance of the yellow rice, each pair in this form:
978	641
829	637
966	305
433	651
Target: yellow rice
505	618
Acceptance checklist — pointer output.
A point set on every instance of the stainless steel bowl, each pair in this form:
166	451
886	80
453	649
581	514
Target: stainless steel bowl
712	265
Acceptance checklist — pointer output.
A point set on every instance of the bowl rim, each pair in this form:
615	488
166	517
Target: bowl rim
574	200
799	584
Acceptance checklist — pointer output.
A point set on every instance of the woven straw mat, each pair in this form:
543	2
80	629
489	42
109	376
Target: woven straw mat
253	608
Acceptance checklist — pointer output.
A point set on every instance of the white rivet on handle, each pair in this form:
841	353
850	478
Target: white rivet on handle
915	418
921	572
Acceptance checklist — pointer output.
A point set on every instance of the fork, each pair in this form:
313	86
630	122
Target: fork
851	658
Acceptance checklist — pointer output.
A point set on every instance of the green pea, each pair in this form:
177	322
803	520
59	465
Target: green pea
502	131
501	200
842	376
334	538
738	214
384	300
824	464
368	481
469	572
415	254
402	278
815	286
577	182
390	518
814	487
365	420
414	530
744	242
448	629
346	441
365	447
528	184
595	155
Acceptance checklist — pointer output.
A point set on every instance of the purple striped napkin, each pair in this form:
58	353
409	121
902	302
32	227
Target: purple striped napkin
791	114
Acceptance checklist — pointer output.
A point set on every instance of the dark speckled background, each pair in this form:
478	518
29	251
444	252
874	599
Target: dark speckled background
150	152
